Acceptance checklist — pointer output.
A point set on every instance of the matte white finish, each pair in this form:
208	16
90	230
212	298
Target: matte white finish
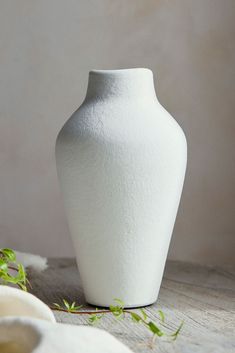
121	162
27	335
15	302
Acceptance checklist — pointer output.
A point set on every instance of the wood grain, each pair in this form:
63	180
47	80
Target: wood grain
204	297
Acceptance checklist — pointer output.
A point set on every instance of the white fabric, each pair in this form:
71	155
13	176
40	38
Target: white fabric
36	262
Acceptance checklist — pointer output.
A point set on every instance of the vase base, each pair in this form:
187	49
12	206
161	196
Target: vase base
125	307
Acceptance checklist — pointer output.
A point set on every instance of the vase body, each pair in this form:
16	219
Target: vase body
121	161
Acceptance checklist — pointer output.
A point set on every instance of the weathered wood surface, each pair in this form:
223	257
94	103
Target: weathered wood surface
203	297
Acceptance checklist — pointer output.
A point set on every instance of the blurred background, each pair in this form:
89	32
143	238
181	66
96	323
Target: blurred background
47	48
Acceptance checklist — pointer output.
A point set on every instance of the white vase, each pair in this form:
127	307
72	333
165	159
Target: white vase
121	162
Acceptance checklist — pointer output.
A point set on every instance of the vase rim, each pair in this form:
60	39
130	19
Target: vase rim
133	82
120	71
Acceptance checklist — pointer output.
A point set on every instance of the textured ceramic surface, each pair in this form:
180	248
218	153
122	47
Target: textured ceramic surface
121	162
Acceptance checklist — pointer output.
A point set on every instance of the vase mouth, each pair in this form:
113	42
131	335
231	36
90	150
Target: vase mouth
120	71
126	83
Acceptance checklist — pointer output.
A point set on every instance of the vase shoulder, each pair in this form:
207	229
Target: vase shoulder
122	122
121	105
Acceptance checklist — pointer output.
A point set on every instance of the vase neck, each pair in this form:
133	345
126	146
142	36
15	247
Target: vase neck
129	83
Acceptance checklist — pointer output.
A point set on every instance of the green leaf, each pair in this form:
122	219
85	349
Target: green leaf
9	254
135	317
162	316
117	311
71	308
144	314
119	302
94	319
76	308
3	265
156	330
112	308
66	304
176	333
21	273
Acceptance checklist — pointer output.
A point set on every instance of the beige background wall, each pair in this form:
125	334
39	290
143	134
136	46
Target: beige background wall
47	48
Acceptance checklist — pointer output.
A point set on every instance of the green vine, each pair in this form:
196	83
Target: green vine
119	312
9	264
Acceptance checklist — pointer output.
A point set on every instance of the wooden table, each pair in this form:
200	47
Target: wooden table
204	297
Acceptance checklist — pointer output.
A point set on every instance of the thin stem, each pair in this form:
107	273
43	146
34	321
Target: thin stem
97	312
152	341
16	270
86	312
